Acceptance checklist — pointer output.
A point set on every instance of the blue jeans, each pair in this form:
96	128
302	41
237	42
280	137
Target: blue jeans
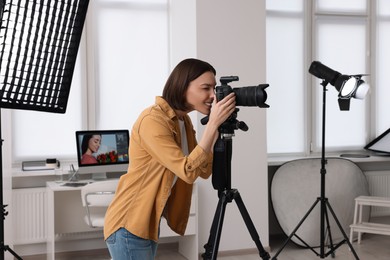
123	245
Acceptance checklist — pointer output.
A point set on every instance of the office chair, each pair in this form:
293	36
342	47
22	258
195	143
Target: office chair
96	197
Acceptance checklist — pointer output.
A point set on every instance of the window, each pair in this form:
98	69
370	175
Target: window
123	54
339	35
285	74
130	43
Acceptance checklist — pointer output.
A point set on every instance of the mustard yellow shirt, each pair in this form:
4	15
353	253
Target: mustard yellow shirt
145	192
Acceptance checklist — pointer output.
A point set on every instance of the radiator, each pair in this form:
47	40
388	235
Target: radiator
379	185
29	215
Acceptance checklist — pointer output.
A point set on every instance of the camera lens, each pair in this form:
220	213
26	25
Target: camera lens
251	96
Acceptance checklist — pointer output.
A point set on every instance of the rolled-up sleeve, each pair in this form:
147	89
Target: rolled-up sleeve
198	159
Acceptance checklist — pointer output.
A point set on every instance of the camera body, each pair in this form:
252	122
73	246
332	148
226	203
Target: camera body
245	96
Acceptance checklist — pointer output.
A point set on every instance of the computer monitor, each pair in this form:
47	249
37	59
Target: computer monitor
102	151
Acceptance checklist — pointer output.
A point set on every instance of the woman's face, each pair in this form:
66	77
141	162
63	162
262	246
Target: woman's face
94	143
200	93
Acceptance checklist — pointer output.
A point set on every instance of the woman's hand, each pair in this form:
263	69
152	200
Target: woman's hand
220	111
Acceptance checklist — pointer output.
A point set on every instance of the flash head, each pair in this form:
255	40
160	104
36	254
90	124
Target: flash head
348	86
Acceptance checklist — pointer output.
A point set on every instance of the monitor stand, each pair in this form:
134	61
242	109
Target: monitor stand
99	176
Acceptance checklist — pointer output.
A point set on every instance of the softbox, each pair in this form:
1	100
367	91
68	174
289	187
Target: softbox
39	41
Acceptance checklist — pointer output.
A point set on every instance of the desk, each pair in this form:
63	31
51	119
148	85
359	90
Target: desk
66	216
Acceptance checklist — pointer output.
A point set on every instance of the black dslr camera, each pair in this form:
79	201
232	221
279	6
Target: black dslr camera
245	96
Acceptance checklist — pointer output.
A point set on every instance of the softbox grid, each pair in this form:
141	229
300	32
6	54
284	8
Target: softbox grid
39	41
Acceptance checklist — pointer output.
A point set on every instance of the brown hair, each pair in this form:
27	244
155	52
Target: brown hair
179	80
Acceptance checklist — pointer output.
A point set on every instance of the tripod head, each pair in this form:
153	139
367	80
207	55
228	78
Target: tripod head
227	128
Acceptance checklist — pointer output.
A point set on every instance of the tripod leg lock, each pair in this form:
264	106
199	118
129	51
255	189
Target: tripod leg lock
4	212
209	249
265	255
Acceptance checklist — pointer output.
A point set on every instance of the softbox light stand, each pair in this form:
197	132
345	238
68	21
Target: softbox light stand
324	204
39	41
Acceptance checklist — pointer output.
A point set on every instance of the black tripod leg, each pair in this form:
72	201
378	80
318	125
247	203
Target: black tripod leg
342	231
251	227
4	248
332	248
296	228
216	229
7	248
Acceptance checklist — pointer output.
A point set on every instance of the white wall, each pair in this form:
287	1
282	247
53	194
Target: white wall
231	36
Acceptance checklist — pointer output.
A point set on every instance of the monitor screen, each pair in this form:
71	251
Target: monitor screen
102	151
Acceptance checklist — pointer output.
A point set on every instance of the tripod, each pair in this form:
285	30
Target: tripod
222	182
324	204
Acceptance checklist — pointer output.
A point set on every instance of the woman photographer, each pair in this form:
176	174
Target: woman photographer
165	161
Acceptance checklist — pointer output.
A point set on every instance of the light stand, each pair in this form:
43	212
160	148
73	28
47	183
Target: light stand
39	41
348	87
4	212
222	182
324	204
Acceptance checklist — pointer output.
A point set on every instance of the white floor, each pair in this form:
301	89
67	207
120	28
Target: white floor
372	247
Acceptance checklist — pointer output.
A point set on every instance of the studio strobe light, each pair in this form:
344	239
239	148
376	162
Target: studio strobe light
348	86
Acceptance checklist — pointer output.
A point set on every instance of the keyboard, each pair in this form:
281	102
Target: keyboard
75	184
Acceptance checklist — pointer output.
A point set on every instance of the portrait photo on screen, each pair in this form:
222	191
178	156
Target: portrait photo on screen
103	147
